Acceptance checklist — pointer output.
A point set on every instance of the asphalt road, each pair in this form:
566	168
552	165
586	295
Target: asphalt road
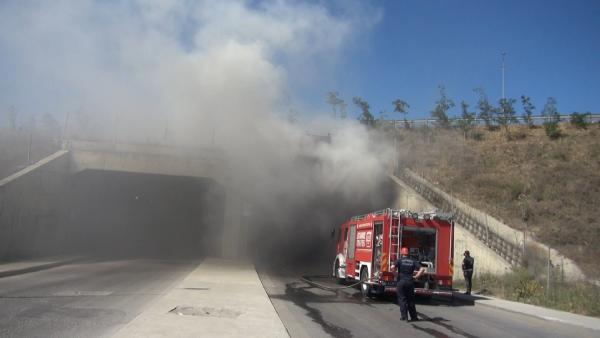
91	298
307	311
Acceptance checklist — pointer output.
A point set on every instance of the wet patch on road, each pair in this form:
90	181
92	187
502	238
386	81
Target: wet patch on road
443	323
301	295
205	311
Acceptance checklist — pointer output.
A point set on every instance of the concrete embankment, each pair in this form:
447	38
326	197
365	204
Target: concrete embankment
486	259
507	242
31	208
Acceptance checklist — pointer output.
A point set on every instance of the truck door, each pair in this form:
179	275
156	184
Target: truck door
350	264
377	247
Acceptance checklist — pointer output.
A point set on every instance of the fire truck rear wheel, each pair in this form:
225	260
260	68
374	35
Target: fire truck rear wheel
339	279
365	288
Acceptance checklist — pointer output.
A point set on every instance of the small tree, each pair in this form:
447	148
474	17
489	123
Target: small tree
292	116
440	111
528	109
12	118
486	110
401	107
579	120
366	117
381	121
343	106
552	117
467	119
334	100
49	123
505	115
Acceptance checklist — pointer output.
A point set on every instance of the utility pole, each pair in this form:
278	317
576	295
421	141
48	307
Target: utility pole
31	125
503	68
548	275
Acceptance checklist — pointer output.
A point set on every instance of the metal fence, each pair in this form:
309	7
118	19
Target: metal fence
538	119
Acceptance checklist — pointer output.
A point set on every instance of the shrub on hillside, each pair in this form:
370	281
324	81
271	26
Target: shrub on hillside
552	129
579	121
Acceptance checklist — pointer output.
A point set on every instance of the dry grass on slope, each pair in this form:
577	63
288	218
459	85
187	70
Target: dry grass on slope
550	186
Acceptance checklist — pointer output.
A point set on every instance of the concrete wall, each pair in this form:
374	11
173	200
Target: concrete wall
486	260
149	159
32	208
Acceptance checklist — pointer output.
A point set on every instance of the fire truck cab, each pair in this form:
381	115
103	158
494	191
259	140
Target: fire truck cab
367	246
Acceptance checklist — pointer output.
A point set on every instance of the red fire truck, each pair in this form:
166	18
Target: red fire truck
367	245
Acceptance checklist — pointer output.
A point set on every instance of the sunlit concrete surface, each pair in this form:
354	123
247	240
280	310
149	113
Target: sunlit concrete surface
220	298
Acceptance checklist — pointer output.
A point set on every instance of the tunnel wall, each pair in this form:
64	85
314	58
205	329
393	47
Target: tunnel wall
32	208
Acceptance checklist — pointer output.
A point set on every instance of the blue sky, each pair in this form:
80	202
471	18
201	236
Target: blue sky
53	58
553	49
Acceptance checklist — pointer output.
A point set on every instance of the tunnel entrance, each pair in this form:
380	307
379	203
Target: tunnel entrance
144	215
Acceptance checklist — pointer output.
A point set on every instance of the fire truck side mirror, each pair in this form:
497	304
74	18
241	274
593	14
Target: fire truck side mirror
332	232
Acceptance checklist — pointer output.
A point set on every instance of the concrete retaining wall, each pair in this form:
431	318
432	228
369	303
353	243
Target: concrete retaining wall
486	260
31	208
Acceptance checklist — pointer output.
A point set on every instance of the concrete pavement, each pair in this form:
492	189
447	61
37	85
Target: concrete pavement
220	298
532	310
90	298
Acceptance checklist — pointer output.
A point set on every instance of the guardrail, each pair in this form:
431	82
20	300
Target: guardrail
511	252
538	119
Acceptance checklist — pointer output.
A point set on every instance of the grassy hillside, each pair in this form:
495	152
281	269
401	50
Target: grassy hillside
550	187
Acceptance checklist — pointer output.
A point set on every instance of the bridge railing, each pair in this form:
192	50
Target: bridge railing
537	120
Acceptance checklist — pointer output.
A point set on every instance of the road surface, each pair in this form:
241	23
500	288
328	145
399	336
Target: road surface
311	312
96	298
91	298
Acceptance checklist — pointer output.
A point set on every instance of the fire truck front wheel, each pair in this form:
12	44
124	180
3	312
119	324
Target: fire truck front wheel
365	288
336	268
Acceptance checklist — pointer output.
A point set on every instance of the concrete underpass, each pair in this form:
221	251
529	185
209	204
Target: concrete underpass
135	214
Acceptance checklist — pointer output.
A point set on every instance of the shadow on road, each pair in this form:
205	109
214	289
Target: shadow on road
307	296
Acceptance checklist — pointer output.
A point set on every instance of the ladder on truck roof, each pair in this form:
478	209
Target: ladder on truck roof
395	240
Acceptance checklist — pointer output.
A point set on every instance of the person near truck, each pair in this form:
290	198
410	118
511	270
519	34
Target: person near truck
408	270
467	268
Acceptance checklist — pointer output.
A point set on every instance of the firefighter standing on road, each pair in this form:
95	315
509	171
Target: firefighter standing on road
405	286
467	267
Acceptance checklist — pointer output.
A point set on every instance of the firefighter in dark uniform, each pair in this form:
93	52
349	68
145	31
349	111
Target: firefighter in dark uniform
467	267
408	270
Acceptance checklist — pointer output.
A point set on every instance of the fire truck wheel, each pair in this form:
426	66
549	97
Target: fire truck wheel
365	288
339	279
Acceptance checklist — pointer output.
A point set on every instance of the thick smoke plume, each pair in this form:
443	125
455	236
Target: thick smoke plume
204	74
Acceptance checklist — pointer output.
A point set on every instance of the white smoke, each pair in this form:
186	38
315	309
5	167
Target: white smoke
198	73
